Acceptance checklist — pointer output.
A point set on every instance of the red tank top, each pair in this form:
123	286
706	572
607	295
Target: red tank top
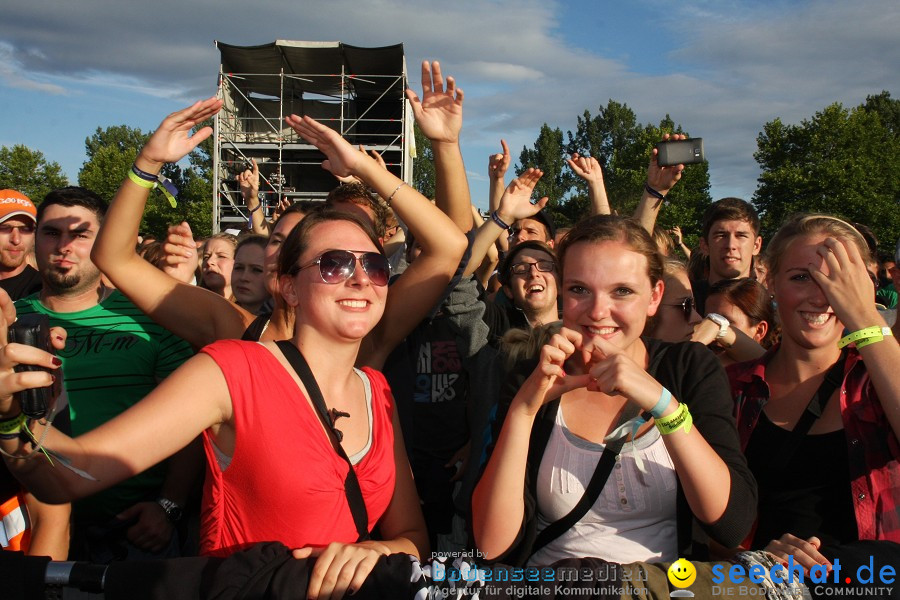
285	482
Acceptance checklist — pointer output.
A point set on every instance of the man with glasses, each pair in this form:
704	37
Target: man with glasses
17	221
529	276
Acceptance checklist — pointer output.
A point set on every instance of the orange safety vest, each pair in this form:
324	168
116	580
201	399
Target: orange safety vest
15	527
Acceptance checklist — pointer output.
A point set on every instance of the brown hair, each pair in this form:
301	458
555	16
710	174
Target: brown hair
729	209
611	228
359	194
297	240
752	299
804	224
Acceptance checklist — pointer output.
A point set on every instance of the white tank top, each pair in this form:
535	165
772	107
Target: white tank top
634	517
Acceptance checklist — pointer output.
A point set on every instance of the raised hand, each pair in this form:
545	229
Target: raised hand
374	154
249	181
663	179
587	168
439	111
342	158
499	163
516	202
845	282
172	140
180	257
676	234
282	206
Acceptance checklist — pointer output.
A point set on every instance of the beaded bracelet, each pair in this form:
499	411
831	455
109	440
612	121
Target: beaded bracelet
681	418
864	337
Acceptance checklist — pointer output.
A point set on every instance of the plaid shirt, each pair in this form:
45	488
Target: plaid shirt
872	446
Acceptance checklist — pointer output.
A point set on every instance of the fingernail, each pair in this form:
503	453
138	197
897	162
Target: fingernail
52	378
57	362
59	337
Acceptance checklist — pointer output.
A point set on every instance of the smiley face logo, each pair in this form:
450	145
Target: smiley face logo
682	573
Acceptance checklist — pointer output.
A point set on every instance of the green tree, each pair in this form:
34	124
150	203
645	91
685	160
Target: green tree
840	162
112	151
548	154
27	171
423	165
622	146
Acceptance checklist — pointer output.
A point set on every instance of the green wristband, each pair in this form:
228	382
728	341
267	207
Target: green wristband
11	428
864	337
679	419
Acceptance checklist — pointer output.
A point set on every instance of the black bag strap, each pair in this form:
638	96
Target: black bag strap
595	486
816	406
351	483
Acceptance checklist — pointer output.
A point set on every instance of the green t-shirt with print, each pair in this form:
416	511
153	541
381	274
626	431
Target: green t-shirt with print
114	356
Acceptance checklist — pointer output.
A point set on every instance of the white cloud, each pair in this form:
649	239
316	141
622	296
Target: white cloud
734	66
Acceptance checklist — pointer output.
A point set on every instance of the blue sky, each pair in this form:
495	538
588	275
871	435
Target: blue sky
722	69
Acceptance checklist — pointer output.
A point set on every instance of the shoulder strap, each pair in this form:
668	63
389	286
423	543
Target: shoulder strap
816	406
593	489
351	483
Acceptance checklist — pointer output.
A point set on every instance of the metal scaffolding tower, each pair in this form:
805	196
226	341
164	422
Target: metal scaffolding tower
356	91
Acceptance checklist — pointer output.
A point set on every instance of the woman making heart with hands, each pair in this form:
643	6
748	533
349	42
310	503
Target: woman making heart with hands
599	380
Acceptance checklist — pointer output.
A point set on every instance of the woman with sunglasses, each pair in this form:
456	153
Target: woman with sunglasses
273	467
202	318
676	318
670	481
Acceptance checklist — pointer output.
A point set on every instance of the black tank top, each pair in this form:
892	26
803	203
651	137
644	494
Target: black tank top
805	494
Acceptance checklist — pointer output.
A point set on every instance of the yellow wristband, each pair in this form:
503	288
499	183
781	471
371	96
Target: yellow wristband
681	418
866	336
11	428
141	182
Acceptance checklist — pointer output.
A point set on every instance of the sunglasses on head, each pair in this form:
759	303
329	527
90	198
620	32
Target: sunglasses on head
337	266
686	306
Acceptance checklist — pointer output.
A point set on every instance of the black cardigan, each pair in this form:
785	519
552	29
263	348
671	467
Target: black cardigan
694	376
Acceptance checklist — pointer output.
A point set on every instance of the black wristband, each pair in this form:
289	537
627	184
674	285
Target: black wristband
659	196
496	219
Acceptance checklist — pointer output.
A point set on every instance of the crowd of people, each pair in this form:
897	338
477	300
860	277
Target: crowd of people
382	373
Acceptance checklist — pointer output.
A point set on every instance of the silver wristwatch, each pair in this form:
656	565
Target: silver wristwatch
174	512
722	322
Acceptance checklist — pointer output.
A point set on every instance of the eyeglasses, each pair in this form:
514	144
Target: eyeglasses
337	266
524	268
7	229
686	306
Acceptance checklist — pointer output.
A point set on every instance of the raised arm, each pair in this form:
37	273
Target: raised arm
249	182
197	315
589	170
439	116
497	167
849	291
515	204
660	181
418	289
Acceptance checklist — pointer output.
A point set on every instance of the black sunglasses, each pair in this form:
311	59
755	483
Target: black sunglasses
686	306
337	266
524	268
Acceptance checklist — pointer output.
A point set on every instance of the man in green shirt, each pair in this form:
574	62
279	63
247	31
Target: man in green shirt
114	356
